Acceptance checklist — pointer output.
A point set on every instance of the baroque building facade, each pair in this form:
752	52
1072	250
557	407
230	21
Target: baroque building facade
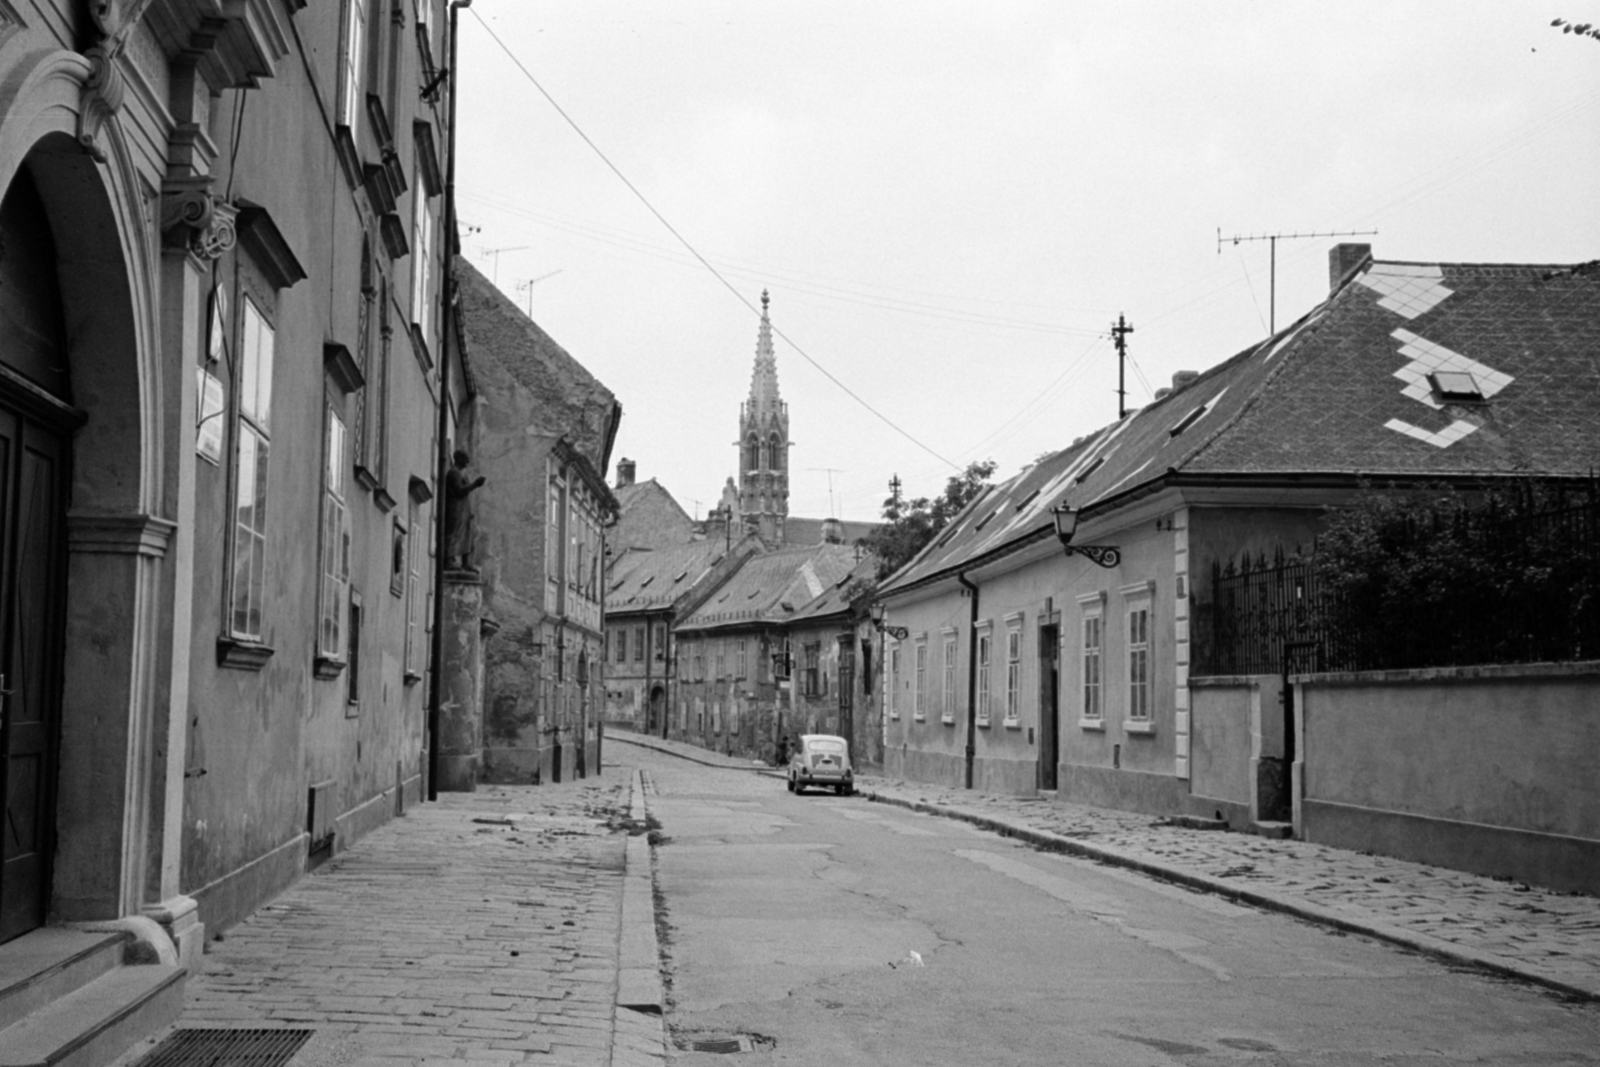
221	376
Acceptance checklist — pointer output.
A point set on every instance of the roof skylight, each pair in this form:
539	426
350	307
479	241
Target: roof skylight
1456	385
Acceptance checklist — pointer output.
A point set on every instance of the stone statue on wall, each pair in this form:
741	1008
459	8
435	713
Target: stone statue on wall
459	528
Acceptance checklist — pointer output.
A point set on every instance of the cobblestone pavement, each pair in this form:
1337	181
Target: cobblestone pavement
1535	934
480	929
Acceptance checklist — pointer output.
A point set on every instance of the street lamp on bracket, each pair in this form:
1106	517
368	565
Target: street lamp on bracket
1067	525
878	611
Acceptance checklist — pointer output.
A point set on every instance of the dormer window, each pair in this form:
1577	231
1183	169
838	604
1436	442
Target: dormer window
1456	385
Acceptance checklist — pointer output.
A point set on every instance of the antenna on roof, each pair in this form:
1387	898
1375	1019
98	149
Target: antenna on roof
495	252
528	285
1272	301
832	511
1119	337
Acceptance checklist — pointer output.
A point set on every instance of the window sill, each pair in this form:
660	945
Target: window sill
1092	724
894	716
1013	724
948	720
1139	726
242	655
982	724
326	667
919	718
412	678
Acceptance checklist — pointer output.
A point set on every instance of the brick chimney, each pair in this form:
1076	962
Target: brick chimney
1183	378
1343	260
625	472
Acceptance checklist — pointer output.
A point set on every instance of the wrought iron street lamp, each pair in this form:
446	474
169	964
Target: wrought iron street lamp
1067	525
899	633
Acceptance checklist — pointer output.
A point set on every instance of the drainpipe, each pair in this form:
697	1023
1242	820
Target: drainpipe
972	676
446	322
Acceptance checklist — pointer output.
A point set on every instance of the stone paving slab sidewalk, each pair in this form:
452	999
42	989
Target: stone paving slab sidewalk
1533	934
480	929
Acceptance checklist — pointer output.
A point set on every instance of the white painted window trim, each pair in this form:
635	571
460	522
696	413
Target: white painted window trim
1013	710
919	677
1139	597
1092	607
985	672
949	663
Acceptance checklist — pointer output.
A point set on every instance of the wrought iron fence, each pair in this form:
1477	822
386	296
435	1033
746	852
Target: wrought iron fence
1507	585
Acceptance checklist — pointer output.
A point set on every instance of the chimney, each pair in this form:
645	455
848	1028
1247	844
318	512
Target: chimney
625	472
1343	260
1182	378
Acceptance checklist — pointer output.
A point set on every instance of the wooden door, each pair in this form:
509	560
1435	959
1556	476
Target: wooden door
32	557
1049	704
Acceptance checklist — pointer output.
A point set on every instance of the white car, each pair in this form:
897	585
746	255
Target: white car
821	759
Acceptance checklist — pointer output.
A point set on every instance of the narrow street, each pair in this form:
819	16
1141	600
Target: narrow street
832	930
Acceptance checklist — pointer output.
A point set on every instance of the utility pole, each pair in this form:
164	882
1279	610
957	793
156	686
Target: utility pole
1119	337
1272	239
894	492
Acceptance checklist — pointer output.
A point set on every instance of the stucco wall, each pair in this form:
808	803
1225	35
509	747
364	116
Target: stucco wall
1219	760
1490	771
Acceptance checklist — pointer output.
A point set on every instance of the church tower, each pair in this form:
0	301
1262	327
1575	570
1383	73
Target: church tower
764	444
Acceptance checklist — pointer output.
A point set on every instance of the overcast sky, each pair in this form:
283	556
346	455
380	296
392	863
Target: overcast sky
952	201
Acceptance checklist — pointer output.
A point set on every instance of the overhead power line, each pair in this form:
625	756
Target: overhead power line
851	393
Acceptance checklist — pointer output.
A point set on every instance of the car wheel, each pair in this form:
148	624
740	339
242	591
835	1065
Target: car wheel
788	783
847	790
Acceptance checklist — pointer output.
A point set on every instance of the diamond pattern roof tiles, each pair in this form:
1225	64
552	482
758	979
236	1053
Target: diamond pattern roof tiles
1321	397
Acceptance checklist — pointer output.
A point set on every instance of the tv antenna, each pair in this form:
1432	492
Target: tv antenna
495	252
528	285
832	511
1272	239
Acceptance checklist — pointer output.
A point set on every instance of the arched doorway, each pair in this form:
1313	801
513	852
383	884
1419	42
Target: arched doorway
36	420
658	700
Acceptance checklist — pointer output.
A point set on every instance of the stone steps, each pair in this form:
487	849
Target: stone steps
67	999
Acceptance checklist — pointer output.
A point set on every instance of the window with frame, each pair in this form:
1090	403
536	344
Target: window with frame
722	664
1093	646
919	683
399	558
1013	673
335	590
947	700
351	60
620	637
812	684
421	260
894	681
1139	662
740	658
985	650
638	644
352	694
660	651
252	462
414	596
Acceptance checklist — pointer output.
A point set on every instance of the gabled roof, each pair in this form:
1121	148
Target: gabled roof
1344	392
567	399
772	587
834	600
649	516
646	579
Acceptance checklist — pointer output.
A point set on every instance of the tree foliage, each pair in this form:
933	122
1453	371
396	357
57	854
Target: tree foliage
1440	576
910	524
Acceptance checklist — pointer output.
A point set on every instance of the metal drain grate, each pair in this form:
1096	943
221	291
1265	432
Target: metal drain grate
227	1048
718	1044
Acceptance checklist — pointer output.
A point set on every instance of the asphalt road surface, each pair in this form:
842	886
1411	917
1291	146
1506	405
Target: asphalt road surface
831	930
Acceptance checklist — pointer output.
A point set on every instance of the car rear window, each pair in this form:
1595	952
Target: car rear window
826	746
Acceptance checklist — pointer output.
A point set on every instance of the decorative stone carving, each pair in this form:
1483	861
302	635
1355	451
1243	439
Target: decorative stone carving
195	220
116	17
102	96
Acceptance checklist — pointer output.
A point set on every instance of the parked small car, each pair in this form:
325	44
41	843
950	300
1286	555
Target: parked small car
824	760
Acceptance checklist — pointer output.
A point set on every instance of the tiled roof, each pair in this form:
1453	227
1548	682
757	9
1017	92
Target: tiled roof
571	401
646	579
1344	392
772	587
833	599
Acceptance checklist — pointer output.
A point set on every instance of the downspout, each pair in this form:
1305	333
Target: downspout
447	323
972	676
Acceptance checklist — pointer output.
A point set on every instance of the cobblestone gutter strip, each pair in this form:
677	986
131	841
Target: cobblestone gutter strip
693	755
639	1036
1278	902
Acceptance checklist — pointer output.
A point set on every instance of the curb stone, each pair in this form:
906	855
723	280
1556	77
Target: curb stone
639	1036
1278	902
